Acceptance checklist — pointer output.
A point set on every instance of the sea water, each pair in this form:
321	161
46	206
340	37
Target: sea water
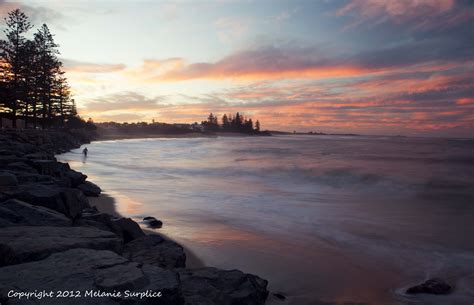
342	219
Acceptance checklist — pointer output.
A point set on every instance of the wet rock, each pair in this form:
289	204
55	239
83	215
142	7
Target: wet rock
22	244
152	222
213	286
155	250
7	179
89	189
130	229
17	212
279	296
431	286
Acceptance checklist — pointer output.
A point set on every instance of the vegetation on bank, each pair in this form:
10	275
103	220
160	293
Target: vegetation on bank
33	88
231	123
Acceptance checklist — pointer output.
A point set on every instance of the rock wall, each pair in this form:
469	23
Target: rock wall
51	239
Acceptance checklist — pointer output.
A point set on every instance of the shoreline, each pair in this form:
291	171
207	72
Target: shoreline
106	204
56	225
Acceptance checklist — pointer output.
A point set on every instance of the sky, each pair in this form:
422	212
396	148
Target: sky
394	67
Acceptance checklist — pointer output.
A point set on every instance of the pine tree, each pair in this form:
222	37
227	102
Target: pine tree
12	49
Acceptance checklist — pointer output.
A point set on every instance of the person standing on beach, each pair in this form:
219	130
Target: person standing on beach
84	151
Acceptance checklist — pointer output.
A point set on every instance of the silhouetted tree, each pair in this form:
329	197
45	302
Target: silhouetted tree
257	126
12	50
31	76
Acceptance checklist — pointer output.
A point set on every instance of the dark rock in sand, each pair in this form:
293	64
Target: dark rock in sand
152	222
85	270
130	229
431	286
45	167
279	296
7	179
22	244
213	286
89	189
16	212
155	250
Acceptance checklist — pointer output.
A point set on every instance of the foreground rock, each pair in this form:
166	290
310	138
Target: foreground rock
24	244
89	189
157	251
213	286
90	270
431	286
16	212
67	201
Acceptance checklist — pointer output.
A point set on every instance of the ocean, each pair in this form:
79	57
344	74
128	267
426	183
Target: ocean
326	219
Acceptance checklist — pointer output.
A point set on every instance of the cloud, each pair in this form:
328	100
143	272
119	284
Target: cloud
87	67
37	14
413	14
126	101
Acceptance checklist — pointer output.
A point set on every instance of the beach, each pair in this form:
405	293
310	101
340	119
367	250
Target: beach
325	219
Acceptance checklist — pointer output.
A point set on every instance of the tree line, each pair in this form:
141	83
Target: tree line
33	86
231	123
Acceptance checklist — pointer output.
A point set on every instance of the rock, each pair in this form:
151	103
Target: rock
152	222
40	156
76	178
212	286
431	286
120	277
22	244
86	270
68	201
21	167
7	179
155	250
45	167
17	212
164	280
43	195
129	228
89	189
279	296
75	201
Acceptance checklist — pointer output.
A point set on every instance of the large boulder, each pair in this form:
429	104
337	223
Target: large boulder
89	189
90	270
128	228
68	201
76	178
16	212
22	244
74	201
45	167
213	286
431	286
155	250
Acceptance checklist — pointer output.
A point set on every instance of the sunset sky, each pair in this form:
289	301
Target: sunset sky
359	66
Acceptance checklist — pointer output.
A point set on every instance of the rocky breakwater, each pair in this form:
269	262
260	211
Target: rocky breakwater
57	249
